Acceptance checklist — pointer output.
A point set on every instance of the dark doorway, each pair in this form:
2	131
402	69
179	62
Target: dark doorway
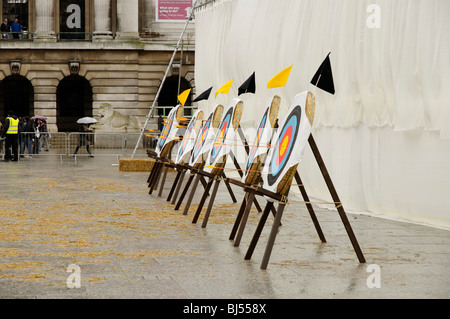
168	96
73	101
16	94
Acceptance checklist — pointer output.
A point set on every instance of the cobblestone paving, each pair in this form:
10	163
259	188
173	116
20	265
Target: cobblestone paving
125	243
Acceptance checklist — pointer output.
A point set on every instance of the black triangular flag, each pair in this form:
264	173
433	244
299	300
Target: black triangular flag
204	95
249	86
323	78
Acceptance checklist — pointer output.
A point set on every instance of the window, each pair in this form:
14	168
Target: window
13	9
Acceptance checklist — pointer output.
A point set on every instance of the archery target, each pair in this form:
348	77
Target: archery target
284	145
254	151
201	139
224	138
221	136
261	142
288	144
189	137
205	137
169	131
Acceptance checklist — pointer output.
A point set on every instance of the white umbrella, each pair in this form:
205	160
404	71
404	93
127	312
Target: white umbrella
38	117
87	120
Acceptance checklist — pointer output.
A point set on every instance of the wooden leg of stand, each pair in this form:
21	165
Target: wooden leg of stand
238	217
163	180
248	206
258	230
336	199
258	207
191	195
211	203
177	190
202	201
310	208
273	235
227	184
203	181
155	179
186	188
152	171
152	174
174	185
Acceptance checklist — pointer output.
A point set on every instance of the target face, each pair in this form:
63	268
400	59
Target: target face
163	138
186	144
221	135
255	146
284	145
202	137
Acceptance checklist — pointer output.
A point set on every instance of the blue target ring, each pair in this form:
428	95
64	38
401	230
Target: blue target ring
186	137
284	145
221	135
166	130
259	134
203	134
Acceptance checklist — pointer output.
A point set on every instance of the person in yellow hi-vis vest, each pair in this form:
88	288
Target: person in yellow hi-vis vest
11	132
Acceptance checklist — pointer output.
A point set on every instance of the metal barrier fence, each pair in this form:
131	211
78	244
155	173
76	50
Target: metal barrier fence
82	144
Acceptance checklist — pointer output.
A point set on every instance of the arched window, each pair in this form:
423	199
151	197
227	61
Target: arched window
16	94
73	101
168	97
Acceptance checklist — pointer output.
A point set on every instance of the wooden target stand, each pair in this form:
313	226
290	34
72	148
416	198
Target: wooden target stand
282	198
215	177
160	170
271	119
162	164
163	156
196	175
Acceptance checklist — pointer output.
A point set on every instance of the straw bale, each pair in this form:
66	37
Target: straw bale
274	108
310	107
217	116
237	114
135	165
285	183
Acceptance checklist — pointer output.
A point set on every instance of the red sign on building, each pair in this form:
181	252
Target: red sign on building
173	10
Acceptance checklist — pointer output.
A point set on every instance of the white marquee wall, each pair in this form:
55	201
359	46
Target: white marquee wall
385	134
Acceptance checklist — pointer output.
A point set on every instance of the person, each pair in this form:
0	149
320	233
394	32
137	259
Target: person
11	132
36	137
160	122
1	137
16	28
26	134
83	139
5	29
44	136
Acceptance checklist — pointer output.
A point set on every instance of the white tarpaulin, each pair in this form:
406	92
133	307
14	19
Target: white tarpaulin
385	133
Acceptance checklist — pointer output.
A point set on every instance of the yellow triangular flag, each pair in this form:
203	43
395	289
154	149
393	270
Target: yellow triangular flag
280	79
183	96
225	88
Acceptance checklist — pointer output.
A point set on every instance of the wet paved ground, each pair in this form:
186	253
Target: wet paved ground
129	244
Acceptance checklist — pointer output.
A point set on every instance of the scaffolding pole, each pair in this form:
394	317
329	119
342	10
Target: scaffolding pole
189	18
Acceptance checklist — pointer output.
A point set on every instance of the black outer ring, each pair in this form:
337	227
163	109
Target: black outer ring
297	111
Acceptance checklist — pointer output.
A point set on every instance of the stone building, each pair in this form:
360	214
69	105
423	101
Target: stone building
73	55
